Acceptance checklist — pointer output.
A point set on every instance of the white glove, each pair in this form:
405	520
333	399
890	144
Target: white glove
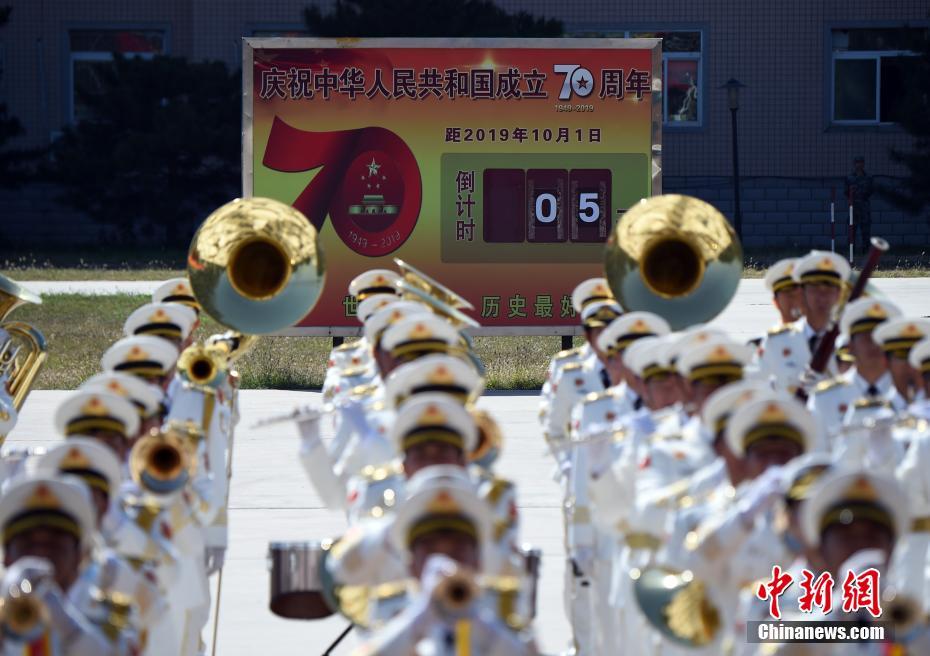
354	412
762	494
308	425
35	571
215	558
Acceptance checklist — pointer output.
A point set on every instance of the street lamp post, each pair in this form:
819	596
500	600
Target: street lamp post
733	86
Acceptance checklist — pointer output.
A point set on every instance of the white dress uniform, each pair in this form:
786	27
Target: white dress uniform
735	541
442	498
832	398
64	503
588	292
786	352
107	571
897	337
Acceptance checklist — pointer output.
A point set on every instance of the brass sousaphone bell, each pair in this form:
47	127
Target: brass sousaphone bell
676	604
255	265
675	256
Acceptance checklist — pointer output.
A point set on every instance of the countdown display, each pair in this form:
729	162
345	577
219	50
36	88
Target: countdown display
496	166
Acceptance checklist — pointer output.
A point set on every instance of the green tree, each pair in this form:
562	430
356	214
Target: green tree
426	18
14	162
913	195
161	146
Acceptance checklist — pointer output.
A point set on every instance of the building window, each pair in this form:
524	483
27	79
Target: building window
681	71
870	68
681	74
92	54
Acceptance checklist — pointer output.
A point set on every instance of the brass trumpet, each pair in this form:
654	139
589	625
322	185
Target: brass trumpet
163	461
255	265
676	256
23	350
233	344
203	365
22	614
455	594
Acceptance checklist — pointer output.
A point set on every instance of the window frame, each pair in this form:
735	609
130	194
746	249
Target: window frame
832	56
69	56
581	29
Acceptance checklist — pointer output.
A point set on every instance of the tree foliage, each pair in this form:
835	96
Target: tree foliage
914	193
14	162
161	146
426	18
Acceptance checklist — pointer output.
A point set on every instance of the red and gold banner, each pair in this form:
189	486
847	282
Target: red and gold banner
496	166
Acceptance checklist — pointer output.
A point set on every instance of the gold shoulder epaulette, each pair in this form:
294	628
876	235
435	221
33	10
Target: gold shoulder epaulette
364	390
591	397
381	472
825	385
347	346
567	353
778	330
572	366
497	488
390	590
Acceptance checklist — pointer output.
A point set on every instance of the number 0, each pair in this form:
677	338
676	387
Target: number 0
548	216
588	209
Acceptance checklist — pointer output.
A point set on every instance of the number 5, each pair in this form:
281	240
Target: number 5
588	209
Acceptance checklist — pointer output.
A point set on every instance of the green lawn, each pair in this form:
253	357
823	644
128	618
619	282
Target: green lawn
80	328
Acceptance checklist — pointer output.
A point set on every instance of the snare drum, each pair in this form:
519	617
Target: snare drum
297	580
532	559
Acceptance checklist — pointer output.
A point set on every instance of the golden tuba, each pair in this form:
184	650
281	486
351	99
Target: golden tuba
163	461
675	256
23	350
255	265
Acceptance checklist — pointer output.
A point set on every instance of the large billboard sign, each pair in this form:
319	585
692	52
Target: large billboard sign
496	166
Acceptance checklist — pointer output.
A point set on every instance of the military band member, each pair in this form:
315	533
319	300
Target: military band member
786	352
104	416
444	532
896	337
150	358
851	511
107	574
171	321
737	541
48	527
148	399
786	292
365	418
919	359
593	291
868	378
176	290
